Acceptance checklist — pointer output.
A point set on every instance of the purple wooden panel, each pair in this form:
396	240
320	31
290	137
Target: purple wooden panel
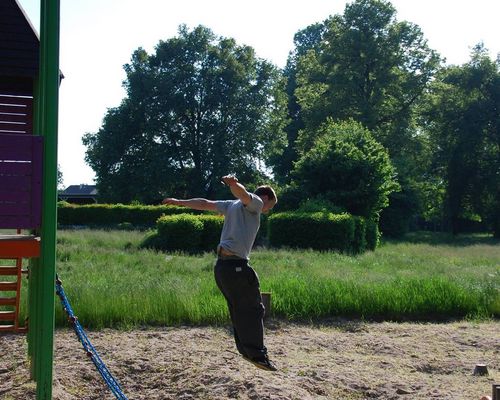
15	222
21	195
16	100
15	168
36	182
9	197
12	108
13	117
14	153
7	127
16	141
17	183
13	209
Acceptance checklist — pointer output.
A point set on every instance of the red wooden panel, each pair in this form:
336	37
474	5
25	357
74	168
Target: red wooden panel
20	248
15	168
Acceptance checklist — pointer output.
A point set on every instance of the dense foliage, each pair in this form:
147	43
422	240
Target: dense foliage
185	232
322	231
199	108
112	215
202	106
347	167
462	118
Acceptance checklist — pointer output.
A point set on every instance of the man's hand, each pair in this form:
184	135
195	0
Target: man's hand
170	201
229	180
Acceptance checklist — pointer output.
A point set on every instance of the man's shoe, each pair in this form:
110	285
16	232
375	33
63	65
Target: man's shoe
262	363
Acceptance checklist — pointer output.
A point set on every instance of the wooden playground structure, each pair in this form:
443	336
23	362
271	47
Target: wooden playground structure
29	87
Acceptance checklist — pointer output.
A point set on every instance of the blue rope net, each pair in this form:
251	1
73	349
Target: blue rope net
113	385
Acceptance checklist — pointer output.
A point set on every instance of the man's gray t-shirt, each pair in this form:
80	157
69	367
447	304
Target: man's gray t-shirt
241	224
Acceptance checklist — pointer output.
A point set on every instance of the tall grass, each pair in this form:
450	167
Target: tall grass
112	283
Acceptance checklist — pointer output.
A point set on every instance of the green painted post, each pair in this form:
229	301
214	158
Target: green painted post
49	97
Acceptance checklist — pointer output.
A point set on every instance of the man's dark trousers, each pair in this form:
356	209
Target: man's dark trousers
239	284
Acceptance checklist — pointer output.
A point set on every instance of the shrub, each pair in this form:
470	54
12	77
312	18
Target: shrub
319	230
113	214
358	244
348	167
212	227
185	232
180	232
372	234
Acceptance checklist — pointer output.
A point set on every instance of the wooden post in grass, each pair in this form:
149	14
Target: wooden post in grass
266	301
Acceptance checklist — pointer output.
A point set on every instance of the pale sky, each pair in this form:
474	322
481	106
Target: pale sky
99	36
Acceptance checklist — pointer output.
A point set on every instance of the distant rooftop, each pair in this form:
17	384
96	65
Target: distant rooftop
79	194
80	190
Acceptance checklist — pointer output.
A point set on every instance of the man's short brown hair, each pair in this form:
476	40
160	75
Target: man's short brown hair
266	190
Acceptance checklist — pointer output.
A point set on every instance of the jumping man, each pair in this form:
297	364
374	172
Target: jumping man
237	281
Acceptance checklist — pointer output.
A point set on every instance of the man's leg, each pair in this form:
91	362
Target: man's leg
231	315
240	286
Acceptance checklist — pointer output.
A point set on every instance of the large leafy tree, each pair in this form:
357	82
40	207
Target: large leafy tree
371	68
308	39
368	66
199	107
462	119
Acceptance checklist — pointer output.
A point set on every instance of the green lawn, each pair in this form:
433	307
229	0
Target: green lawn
111	283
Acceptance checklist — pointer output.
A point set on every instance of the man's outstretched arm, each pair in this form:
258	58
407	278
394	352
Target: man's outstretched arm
195	204
237	189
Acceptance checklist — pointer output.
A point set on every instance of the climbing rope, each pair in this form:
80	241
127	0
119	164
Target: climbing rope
87	345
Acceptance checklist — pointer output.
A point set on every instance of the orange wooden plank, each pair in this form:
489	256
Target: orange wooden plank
13	248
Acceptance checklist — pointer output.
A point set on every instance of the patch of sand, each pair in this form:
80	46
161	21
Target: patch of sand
339	360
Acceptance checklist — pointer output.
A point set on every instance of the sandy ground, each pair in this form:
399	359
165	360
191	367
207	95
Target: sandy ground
337	360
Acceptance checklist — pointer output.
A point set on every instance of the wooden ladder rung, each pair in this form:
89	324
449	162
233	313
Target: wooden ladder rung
8	301
8	286
7	328
7	315
8	271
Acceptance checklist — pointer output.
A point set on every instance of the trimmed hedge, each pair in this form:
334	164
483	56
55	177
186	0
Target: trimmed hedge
190	231
319	230
185	232
358	244
372	234
113	214
323	231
